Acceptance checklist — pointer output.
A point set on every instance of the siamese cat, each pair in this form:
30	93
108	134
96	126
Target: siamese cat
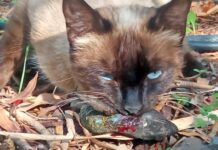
131	53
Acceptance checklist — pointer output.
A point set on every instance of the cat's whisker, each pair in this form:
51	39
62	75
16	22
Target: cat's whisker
93	101
62	80
91	94
84	92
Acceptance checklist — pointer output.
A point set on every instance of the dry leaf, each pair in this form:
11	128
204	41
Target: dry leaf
161	104
27	91
123	147
44	111
203	81
193	133
7	92
214	130
59	128
203	8
43	99
6	123
86	146
206	6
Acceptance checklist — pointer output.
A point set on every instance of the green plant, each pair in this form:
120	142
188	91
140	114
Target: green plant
200	71
205	111
168	148
215	96
191	22
200	123
27	49
13	2
184	100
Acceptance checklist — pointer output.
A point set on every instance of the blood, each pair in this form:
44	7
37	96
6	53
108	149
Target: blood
123	129
128	123
17	102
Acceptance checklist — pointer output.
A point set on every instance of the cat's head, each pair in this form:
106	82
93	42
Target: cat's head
130	53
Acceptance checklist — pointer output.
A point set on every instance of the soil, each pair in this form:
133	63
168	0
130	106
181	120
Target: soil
208	25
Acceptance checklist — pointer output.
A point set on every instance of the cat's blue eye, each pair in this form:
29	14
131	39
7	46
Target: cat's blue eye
154	75
107	77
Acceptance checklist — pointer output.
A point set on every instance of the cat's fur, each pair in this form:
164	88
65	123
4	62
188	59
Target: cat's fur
127	42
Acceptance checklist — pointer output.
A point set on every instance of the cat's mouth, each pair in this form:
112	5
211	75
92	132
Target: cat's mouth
104	103
100	102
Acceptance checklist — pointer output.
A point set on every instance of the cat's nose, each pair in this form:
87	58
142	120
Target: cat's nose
133	110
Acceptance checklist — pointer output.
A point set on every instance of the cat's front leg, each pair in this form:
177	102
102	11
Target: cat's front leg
12	42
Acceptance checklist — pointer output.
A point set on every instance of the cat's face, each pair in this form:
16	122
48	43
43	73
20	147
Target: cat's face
131	54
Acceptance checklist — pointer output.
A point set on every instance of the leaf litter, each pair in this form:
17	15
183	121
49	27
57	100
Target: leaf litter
47	120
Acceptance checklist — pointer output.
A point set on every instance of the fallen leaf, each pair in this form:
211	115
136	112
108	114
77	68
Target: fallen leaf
27	91
203	81
59	128
43	99
44	111
193	133
86	146
161	104
214	130
206	6
6	123
7	92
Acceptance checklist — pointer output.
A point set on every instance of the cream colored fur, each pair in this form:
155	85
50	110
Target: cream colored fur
49	38
147	3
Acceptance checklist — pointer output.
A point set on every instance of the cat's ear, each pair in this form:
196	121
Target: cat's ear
171	16
81	19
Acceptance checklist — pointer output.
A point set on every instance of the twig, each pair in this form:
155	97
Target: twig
189	84
178	92
179	109
21	116
195	133
106	136
210	91
70	127
104	144
70	123
204	136
178	142
30	136
41	118
44	137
